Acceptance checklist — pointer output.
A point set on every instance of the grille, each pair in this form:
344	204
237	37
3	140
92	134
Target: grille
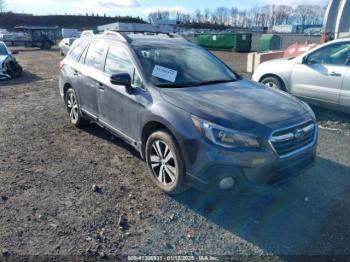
288	141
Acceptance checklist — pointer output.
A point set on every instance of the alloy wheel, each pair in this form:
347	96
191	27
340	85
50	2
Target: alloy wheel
163	163
271	85
72	105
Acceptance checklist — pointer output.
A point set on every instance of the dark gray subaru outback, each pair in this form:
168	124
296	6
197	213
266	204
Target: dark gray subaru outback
195	121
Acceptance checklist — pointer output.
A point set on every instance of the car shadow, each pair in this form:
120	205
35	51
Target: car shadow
323	114
307	215
96	130
26	78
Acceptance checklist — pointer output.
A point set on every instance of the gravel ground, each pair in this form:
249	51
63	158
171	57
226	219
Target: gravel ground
85	193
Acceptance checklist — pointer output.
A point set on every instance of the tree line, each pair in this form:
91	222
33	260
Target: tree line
264	16
9	20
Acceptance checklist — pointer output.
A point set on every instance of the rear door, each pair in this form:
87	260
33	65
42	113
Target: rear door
320	77
72	65
90	73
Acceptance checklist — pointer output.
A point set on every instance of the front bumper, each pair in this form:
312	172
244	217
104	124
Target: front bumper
4	75
249	168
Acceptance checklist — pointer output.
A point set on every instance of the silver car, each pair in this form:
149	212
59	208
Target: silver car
320	76
65	44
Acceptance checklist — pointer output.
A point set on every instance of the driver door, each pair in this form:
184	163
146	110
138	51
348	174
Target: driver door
320	76
119	106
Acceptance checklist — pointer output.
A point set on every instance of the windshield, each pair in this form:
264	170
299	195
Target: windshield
182	66
3	49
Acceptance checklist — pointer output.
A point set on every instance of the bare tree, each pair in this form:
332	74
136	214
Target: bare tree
181	16
304	13
220	15
234	13
198	16
155	16
206	16
2	6
282	14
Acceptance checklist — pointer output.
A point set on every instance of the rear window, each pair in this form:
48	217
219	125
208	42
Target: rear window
95	54
77	50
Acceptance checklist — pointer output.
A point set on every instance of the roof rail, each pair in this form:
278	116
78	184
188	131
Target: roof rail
125	33
117	34
87	33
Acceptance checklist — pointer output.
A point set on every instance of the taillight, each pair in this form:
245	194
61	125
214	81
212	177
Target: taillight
61	66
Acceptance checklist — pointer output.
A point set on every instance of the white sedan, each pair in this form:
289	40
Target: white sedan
320	76
65	44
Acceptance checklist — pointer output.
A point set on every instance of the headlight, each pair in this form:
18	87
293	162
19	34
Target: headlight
309	109
223	136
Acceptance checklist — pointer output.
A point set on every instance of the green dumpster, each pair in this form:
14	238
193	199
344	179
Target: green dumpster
239	42
270	42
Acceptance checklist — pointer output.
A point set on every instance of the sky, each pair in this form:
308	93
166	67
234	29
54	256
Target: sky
135	7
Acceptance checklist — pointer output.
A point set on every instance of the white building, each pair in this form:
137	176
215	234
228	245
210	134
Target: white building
133	27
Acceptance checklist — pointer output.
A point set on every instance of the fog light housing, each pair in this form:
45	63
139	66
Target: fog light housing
227	183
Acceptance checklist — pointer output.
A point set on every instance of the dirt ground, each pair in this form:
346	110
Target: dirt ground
50	207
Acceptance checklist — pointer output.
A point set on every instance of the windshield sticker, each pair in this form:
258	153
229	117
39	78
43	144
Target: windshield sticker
164	73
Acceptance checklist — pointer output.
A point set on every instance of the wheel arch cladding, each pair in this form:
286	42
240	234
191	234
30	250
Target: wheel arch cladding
152	126
66	87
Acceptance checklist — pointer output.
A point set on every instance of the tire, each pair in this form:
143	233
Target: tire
73	109
165	163
273	82
14	69
46	45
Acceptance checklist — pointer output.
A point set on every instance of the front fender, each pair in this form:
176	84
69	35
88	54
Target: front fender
176	120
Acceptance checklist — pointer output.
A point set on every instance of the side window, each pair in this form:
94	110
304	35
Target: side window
336	54
118	61
94	55
77	50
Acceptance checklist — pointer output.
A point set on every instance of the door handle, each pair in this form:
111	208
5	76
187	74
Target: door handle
334	74
100	86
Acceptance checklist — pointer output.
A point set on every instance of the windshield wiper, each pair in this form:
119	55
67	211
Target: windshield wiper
176	85
190	84
212	82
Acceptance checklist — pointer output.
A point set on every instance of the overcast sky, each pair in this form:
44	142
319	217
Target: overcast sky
135	7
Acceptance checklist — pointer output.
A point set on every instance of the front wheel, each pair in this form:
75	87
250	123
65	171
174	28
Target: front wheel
165	163
73	109
46	45
273	82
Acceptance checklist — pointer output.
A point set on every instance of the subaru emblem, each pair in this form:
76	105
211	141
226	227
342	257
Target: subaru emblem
299	134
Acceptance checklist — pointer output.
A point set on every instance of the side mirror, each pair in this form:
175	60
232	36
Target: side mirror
304	60
14	52
122	79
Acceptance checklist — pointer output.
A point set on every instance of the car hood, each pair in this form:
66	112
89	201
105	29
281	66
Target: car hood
290	60
241	105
